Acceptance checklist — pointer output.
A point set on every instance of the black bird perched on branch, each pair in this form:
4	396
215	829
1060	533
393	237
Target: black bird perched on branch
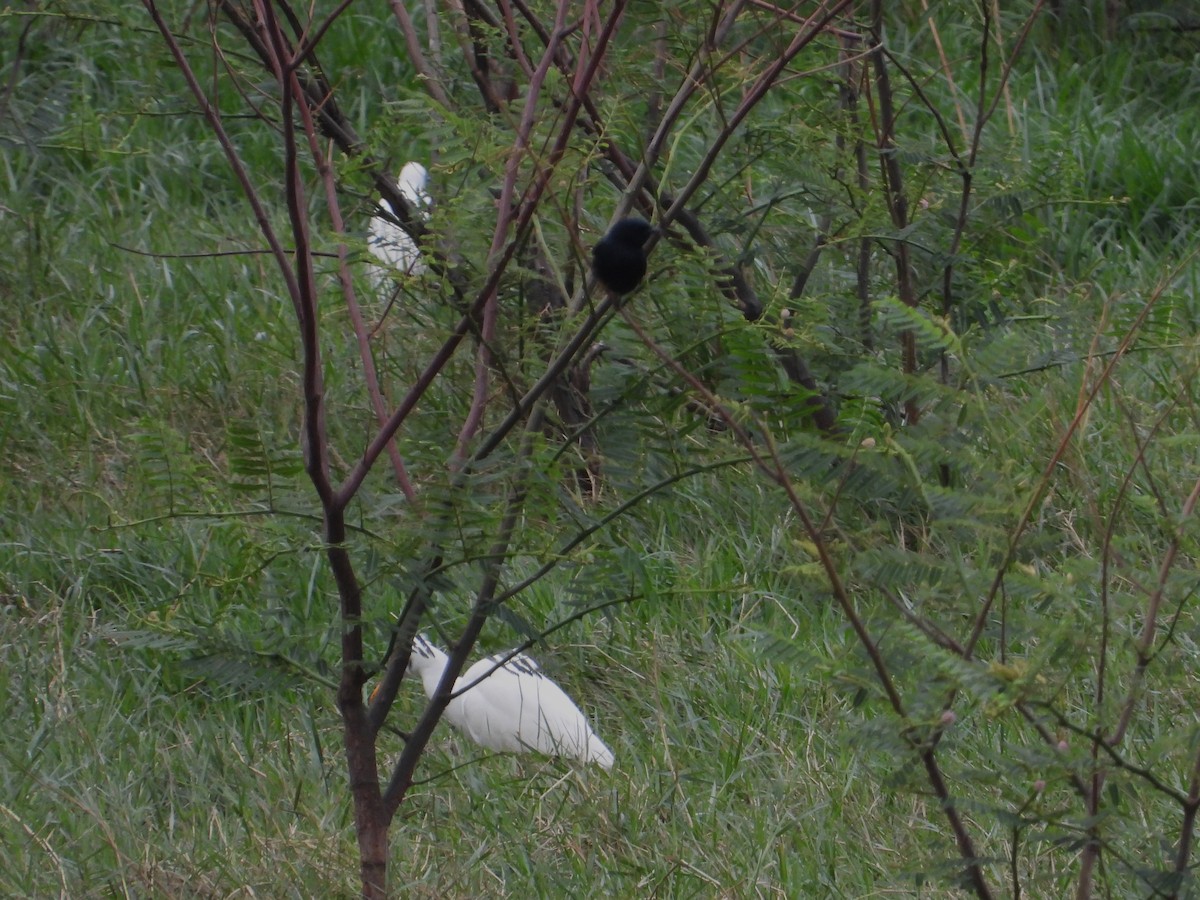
619	259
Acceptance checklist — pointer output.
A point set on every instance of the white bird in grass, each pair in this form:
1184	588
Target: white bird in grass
511	706
387	241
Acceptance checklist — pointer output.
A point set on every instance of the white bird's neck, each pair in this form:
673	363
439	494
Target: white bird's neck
429	662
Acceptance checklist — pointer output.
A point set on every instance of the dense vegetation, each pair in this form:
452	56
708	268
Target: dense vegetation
999	578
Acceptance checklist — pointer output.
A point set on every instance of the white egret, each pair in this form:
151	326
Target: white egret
511	706
387	241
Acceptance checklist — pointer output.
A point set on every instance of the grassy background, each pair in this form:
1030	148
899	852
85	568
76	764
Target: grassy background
167	646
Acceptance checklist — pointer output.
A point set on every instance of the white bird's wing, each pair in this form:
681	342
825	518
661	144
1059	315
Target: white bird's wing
387	241
491	702
391	245
558	727
512	705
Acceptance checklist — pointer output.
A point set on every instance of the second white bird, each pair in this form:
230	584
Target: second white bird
387	241
511	706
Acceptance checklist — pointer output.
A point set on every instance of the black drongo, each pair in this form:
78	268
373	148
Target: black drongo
619	259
